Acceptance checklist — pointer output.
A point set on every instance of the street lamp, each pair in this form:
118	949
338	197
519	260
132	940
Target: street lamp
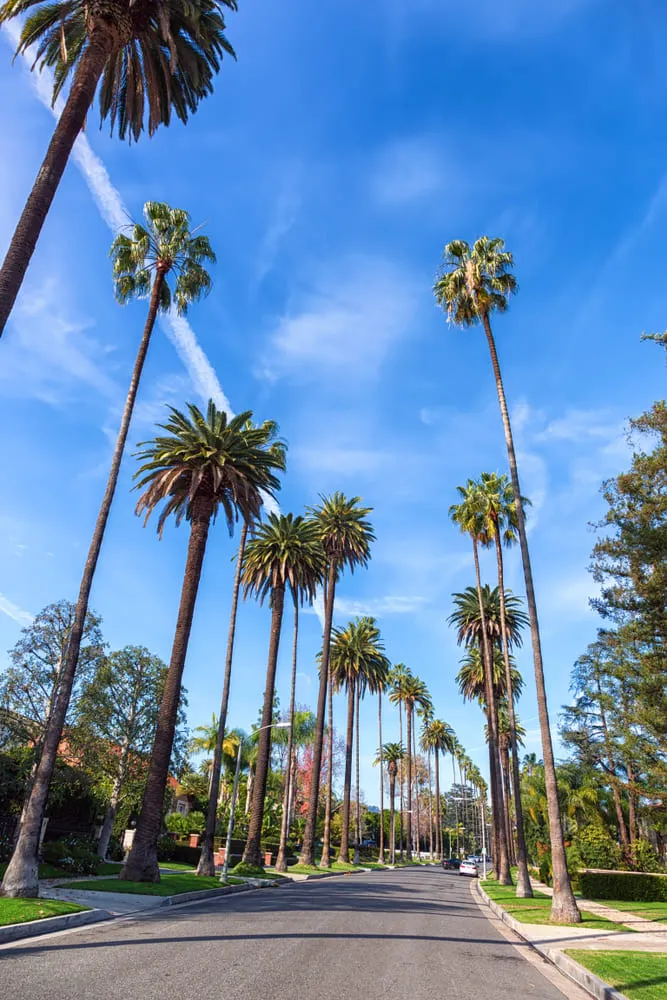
237	773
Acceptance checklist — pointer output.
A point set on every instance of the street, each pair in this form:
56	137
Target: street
410	933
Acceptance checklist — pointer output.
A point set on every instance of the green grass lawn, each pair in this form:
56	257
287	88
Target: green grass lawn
169	885
537	909
647	911
19	911
641	975
174	866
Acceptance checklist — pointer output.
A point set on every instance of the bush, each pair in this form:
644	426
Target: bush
643	857
5	847
165	848
185	854
177	823
597	849
575	863
196	822
546	873
248	871
75	855
636	888
115	850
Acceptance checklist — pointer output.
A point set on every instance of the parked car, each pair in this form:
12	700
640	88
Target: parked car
468	868
451	864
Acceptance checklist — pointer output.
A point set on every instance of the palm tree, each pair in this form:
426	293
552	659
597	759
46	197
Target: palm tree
393	754
202	464
285	552
206	864
439	737
499	506
505	730
410	692
398	672
472	284
346	537
141	264
205	743
160	58
356	659
469	517
376	677
381	687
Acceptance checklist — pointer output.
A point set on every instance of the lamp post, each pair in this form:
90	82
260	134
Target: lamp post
237	774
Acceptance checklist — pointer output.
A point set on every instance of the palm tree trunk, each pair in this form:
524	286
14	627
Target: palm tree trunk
325	861
430	805
21	875
344	852
206	864
357	805
33	216
500	846
408	757
252	854
456	813
438	807
249	788
308	847
400	777
141	864
112	808
564	907
381	849
416	797
281	860
523	888
505	769
392	819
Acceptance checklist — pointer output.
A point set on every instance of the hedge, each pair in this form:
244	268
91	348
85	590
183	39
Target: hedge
631	886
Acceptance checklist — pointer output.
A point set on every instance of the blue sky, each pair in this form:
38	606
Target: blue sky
335	160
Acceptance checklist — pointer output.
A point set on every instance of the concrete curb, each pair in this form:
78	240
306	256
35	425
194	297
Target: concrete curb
33	928
577	973
197	894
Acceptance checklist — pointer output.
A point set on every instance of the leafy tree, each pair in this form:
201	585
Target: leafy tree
201	464
346	535
286	551
159	59
473	283
119	709
30	685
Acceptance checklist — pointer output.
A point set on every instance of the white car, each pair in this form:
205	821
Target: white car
468	868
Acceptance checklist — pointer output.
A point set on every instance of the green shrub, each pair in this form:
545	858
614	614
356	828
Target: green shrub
247	871
185	854
196	822
597	848
545	869
644	858
177	823
165	848
575	863
636	888
75	855
115	850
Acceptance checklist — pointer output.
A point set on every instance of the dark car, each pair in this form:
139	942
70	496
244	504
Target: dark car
451	864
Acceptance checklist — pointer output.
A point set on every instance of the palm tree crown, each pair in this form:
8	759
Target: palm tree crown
345	531
467	619
470	678
357	656
474	282
210	460
160	57
164	244
285	551
439	736
392	754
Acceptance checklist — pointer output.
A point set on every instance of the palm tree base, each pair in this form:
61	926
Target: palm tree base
523	887
206	866
141	866
21	879
564	909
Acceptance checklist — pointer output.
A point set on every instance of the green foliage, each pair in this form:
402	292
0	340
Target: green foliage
166	846
181	51
248	871
177	823
74	855
644	858
196	822
545	869
20	911
597	849
624	885
637	975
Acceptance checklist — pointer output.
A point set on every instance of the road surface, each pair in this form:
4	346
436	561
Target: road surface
410	934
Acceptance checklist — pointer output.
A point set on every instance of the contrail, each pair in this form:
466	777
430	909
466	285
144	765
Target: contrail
112	209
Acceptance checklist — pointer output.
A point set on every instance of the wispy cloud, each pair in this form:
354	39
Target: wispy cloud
14	611
113	211
395	604
281	221
411	170
349	319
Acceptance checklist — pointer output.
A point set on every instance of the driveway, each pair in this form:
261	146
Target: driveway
411	934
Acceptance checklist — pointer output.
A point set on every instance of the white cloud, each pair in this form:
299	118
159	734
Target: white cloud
379	606
348	321
283	217
580	425
14	611
410	170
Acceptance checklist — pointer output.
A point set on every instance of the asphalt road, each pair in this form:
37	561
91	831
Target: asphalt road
415	933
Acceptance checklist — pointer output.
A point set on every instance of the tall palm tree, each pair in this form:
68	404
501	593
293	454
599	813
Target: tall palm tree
497	496
439	737
472	284
426	714
392	754
356	658
469	517
398	672
346	536
381	687
411	692
285	552
505	730
204	742
160	58
206	864
201	464
142	263
376	678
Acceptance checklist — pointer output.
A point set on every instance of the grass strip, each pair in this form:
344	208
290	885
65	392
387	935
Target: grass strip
641	975
169	885
20	911
538	909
